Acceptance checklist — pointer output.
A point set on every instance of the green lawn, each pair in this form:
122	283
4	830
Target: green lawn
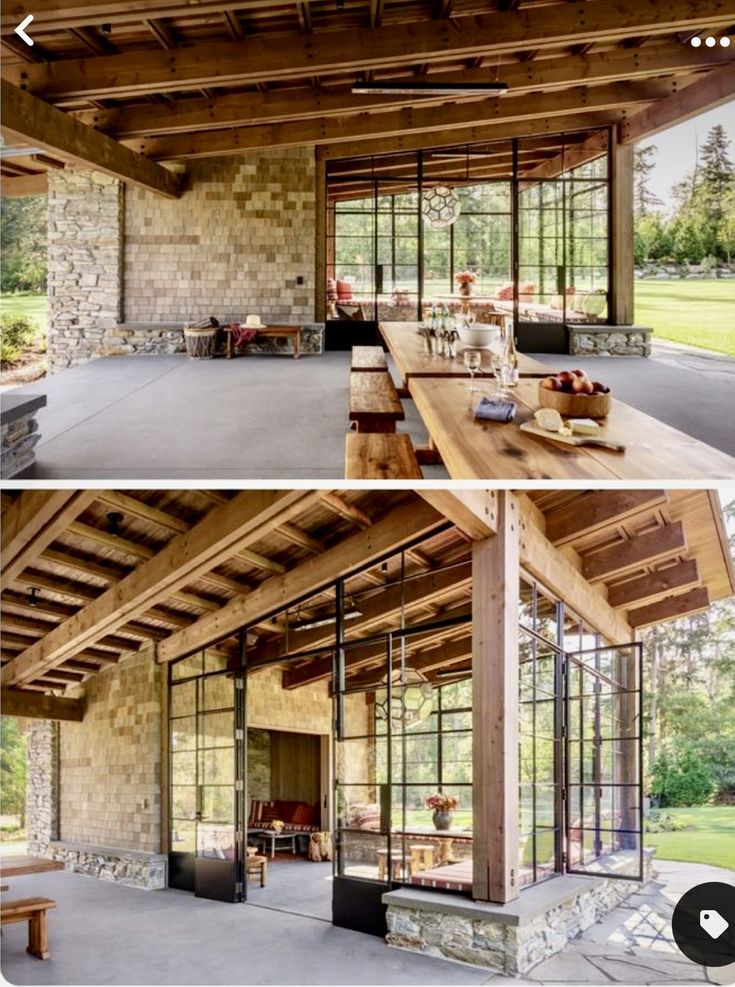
709	840
33	306
700	313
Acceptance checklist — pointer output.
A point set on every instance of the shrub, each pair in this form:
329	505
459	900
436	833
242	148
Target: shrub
680	777
718	753
17	333
664	822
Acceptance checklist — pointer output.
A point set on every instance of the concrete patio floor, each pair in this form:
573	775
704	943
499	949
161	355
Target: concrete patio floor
105	933
168	417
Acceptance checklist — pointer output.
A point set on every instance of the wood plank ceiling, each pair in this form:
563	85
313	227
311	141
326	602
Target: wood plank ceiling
91	578
174	81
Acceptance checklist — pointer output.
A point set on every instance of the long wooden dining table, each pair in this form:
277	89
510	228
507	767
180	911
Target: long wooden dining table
481	450
406	346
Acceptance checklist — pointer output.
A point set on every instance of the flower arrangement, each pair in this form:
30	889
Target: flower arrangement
277	824
441	802
465	277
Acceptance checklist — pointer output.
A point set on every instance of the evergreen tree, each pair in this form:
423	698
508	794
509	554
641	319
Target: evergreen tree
643	165
13	768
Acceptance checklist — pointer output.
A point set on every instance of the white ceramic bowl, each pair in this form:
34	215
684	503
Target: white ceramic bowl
479	334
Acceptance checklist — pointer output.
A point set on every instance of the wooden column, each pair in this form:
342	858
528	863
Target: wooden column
621	245
320	276
495	578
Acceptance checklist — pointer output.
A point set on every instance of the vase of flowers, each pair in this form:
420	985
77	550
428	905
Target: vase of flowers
278	825
465	280
443	806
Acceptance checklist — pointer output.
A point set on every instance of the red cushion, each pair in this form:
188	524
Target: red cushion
344	290
506	292
304	815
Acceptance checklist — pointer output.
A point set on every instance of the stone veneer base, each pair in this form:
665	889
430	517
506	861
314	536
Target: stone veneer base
506	938
19	432
129	867
601	340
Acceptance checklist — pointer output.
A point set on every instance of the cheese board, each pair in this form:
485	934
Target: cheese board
570	440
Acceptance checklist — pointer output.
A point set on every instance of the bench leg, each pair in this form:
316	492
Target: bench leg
38	935
263	873
385	427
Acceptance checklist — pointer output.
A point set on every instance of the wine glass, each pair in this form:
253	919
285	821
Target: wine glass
496	365
473	362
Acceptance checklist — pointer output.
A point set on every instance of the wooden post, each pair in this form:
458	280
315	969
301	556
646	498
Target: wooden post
495	590
622	311
320	205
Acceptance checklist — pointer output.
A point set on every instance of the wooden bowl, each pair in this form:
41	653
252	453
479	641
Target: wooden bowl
576	405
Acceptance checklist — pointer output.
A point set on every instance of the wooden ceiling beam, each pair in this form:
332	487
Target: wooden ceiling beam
52	15
28	119
404	123
655	585
273	595
250	108
233	25
714	89
93	40
474	512
640	550
19	702
468	135
258	60
672	608
17	188
34	521
376	13
596	511
162	33
559	574
375	609
224	530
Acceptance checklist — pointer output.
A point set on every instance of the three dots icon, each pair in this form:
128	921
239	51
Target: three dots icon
710	42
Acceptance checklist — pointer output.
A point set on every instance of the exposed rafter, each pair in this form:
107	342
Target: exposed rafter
28	119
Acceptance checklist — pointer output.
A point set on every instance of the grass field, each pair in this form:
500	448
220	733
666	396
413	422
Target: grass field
709	840
700	313
33	306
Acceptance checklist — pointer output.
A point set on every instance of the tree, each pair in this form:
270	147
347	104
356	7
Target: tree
13	768
717	169
643	164
680	777
23	234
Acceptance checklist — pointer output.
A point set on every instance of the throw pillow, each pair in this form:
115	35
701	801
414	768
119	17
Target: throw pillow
344	291
506	292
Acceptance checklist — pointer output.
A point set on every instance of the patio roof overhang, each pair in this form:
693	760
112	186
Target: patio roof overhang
123	89
184	570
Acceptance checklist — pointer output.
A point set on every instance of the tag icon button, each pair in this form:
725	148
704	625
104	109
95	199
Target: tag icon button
713	923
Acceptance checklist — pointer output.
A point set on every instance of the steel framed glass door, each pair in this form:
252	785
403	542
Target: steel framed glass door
207	796
603	769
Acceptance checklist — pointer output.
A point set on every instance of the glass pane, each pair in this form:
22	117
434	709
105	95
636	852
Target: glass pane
183	768
183	836
183	733
216	729
217	767
183	699
218	692
216	840
183	801
218	803
187	667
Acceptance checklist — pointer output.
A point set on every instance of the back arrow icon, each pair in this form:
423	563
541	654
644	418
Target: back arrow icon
21	32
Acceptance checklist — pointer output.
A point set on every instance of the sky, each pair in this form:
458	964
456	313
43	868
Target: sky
676	147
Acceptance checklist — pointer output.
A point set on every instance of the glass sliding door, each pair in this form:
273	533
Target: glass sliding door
207	794
604	806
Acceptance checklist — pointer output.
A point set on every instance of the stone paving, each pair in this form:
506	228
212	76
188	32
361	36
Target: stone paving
634	943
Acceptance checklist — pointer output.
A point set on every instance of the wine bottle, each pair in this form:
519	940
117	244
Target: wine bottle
510	359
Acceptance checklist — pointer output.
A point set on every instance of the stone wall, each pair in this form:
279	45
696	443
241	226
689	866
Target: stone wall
136	870
19	432
234	243
128	267
508	939
42	785
110	763
85	238
609	340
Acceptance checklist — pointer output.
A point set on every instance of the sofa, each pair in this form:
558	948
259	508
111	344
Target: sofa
295	816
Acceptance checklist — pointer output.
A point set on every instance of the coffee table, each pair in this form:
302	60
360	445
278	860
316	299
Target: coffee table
270	836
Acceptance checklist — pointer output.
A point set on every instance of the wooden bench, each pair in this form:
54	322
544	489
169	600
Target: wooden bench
368	358
33	911
380	456
374	402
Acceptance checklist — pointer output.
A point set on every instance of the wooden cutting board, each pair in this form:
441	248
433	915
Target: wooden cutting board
570	440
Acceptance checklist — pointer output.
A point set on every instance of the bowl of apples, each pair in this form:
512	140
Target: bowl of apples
571	392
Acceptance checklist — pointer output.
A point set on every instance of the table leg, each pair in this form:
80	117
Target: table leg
297	345
273	847
230	345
